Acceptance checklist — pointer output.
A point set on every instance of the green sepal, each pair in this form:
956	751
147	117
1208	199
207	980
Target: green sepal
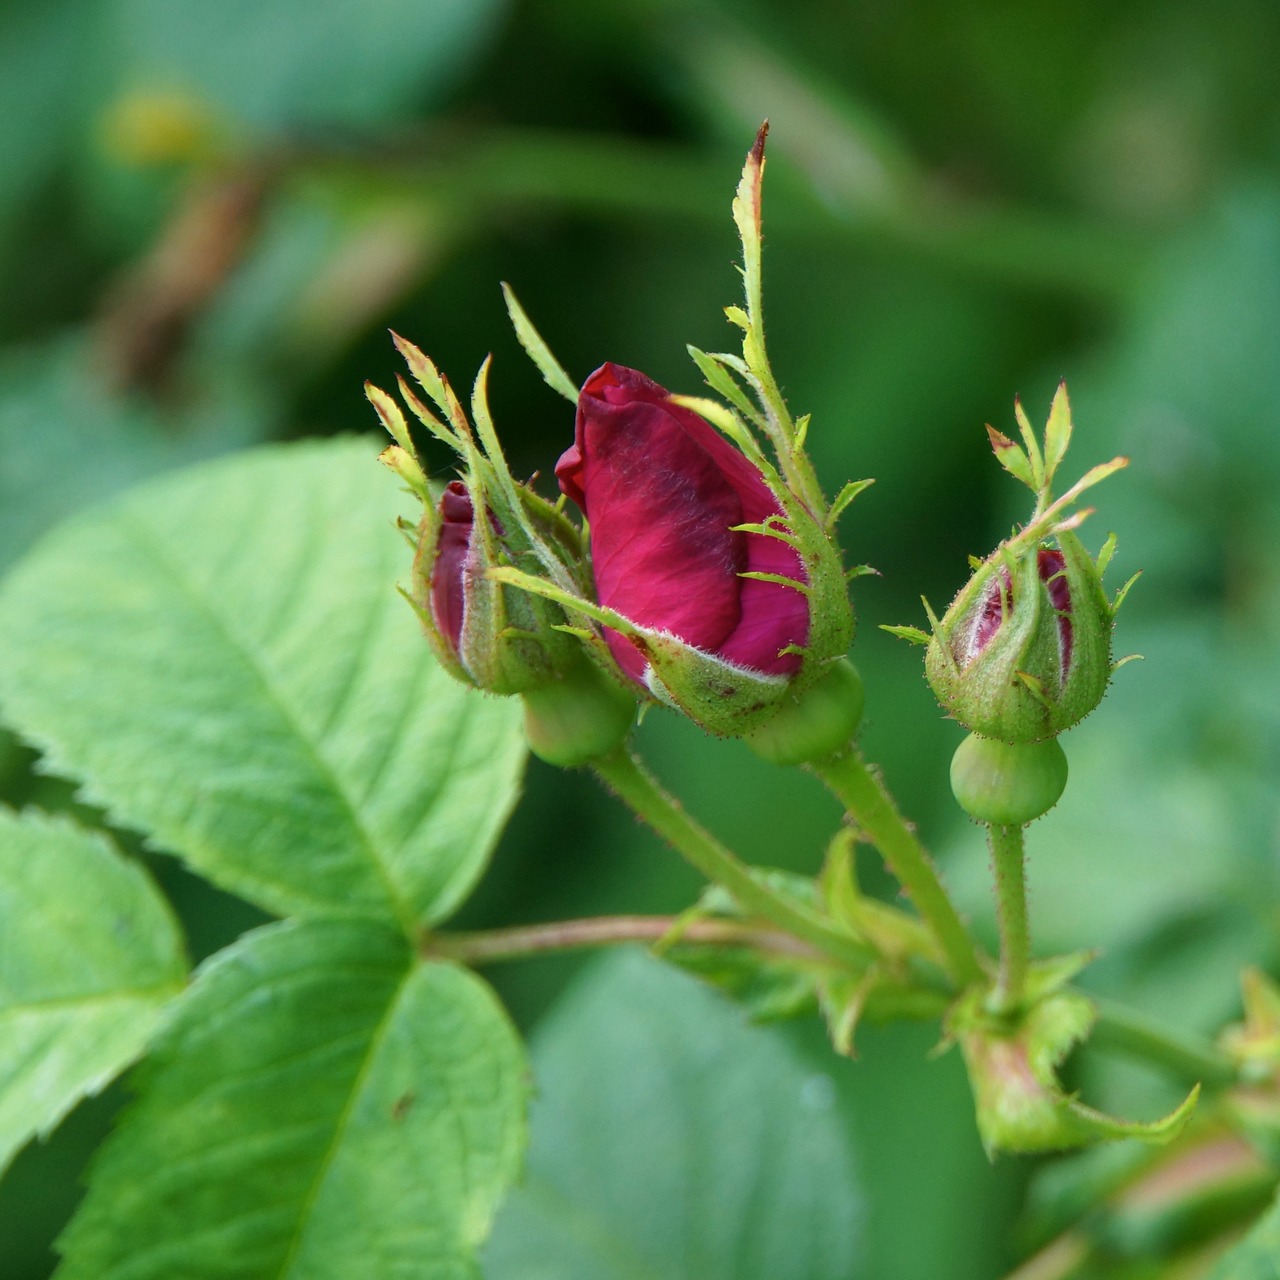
1012	1069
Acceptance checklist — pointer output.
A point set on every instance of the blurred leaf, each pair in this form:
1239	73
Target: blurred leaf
90	956
669	1139
222	659
301	63
42	48
1257	1256
322	1106
67	441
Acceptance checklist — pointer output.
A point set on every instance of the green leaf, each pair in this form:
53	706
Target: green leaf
67	440
672	1140
322	1106
1012	459
1057	434
222	659
914	634
89	956
536	348
1257	1256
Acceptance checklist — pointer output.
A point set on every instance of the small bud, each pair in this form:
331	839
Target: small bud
1024	651
1008	784
814	724
495	637
478	540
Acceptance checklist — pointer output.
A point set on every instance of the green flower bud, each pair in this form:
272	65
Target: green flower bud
495	637
1008	784
484	628
814	724
1024	651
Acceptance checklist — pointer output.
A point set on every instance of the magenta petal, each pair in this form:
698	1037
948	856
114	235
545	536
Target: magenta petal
663	490
448	599
1052	566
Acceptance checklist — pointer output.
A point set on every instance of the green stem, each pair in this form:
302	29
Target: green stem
1192	1057
632	783
520	941
868	803
1008	856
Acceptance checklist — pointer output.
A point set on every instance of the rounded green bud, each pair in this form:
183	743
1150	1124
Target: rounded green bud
1024	652
577	717
1008	784
814	724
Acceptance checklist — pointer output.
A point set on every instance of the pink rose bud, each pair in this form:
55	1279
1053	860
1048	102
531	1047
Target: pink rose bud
666	497
1024	652
484	633
663	491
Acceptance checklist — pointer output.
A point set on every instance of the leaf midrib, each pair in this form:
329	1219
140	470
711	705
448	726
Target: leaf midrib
143	538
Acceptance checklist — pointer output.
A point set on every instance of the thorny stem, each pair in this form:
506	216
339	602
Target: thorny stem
513	943
636	787
870	806
1008	857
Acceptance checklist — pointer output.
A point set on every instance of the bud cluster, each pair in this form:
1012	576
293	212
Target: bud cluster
704	575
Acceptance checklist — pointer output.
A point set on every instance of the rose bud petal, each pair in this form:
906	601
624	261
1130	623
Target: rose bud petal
663	492
448	598
485	633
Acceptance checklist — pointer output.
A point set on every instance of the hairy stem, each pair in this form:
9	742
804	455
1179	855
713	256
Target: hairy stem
636	787
518	941
870	806
1008	857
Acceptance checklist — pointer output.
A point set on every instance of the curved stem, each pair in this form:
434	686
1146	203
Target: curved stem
1008	857
870	806
1194	1058
636	787
519	941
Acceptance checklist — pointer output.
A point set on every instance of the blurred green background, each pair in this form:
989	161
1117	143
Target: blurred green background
211	213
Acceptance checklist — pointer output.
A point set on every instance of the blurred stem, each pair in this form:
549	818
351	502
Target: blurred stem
601	931
627	778
869	804
1193	1058
477	173
1008	857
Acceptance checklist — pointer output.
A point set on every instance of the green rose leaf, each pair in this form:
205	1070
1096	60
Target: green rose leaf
323	1106
222	659
89	956
672	1139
